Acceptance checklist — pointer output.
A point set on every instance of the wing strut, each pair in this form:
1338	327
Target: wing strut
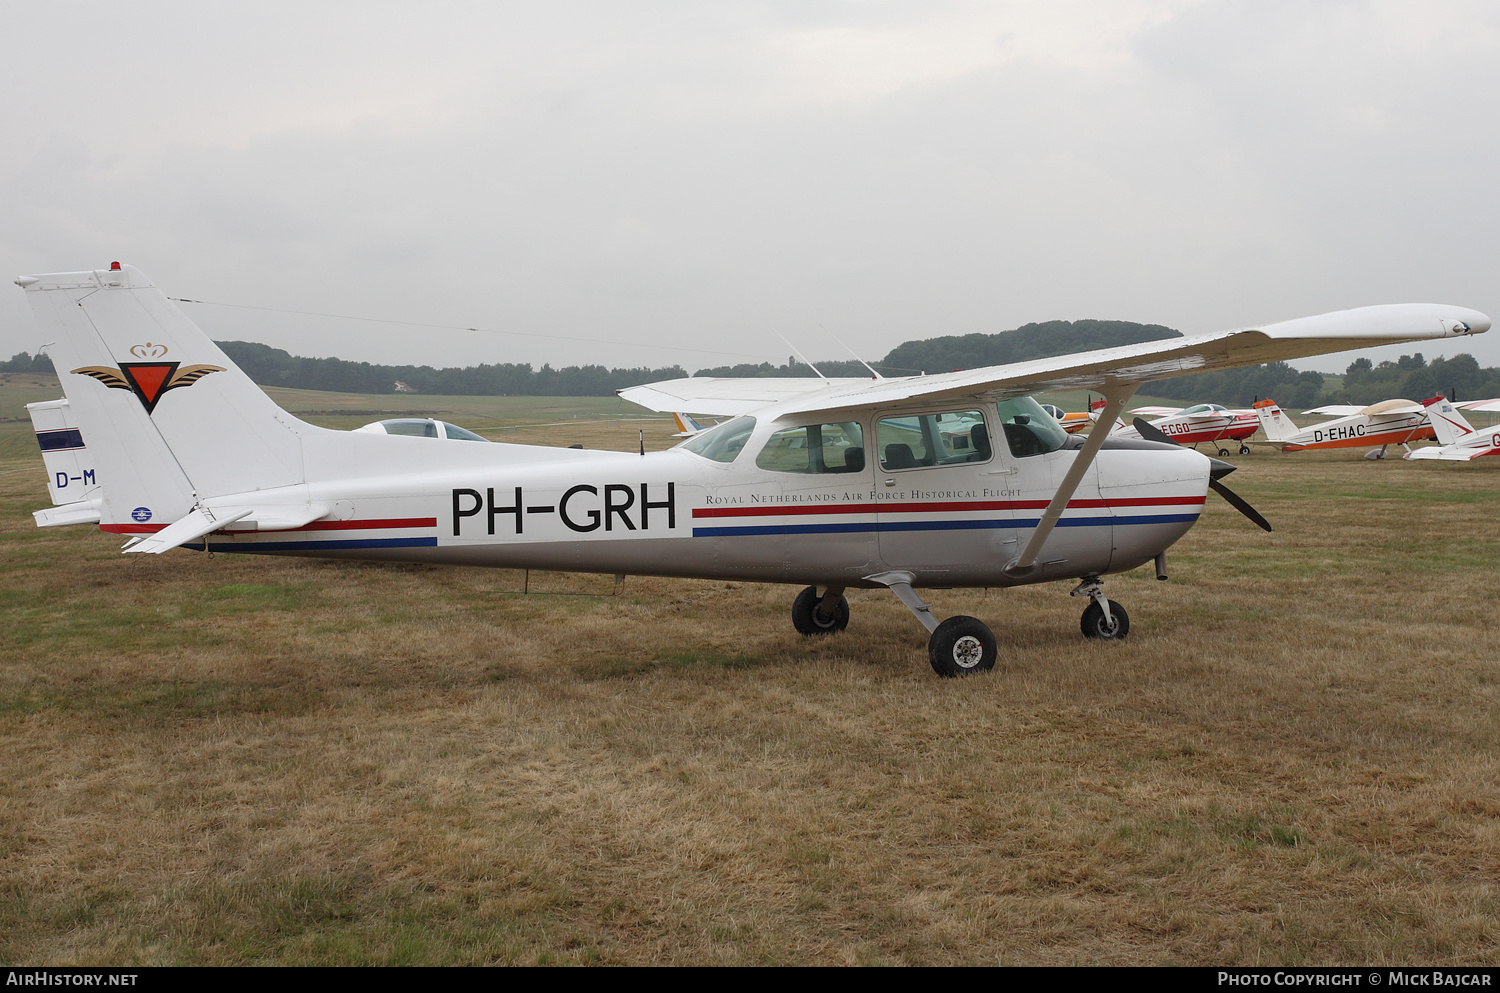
1114	403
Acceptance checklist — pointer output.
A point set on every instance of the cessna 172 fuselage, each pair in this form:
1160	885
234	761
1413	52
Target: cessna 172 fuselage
938	481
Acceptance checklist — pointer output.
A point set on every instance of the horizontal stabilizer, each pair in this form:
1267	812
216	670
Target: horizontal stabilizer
78	512
1453	454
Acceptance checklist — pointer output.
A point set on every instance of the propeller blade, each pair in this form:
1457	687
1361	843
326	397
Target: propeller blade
1217	471
1150	431
1238	503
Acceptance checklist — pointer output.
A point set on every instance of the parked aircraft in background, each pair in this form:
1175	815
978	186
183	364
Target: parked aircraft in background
687	426
1458	441
72	480
1071	422
1390	422
956	480
1202	423
421	427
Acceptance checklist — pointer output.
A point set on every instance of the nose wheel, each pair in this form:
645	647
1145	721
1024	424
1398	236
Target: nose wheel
1102	619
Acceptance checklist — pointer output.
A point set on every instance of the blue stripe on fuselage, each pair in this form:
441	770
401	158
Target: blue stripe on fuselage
1066	522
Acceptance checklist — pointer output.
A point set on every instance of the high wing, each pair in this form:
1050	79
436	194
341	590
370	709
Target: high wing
730	397
1116	371
1485	405
1155	411
1335	410
1396	412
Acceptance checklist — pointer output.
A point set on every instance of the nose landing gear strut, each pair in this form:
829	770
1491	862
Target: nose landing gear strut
1103	618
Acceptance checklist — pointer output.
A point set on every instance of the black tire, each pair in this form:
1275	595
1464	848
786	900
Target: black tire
1244	449
805	614
1223	453
1093	624
961	646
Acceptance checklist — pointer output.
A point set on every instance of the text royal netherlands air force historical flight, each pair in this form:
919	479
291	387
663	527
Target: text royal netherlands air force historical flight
956	480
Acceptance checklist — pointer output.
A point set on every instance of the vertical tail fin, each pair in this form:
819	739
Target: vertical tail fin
687	425
72	480
1273	421
169	418
1448	424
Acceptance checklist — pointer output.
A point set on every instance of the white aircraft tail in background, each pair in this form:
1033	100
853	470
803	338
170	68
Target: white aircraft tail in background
1458	441
1278	427
687	426
72	480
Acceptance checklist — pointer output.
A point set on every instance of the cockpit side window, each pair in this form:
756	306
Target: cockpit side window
1029	430
815	448
918	440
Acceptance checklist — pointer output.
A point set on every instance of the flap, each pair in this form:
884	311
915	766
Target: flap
195	525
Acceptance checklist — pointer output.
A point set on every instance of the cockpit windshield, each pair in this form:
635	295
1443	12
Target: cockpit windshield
722	443
1029	430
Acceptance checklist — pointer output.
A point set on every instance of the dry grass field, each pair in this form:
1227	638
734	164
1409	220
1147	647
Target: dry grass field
1294	758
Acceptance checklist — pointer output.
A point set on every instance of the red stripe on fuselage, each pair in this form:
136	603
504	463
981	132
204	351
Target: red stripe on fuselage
937	508
397	522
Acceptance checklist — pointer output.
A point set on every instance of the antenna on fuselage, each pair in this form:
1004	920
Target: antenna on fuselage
799	354
851	352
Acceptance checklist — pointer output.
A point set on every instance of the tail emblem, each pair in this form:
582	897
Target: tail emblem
148	380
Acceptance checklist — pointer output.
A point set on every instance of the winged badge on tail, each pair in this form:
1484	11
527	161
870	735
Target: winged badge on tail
149	381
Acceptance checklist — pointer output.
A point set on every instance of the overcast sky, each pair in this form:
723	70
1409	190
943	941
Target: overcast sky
687	179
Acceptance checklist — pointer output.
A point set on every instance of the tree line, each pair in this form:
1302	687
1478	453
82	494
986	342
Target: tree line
1364	382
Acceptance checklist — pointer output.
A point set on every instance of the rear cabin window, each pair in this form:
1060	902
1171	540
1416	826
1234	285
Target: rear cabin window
918	440
836	447
412	428
456	433
1029	430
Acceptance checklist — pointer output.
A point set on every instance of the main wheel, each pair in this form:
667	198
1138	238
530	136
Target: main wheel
807	620
1095	626
961	645
1244	449
1224	453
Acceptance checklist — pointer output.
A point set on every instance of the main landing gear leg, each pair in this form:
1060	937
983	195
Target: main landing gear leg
958	646
826	614
1103	618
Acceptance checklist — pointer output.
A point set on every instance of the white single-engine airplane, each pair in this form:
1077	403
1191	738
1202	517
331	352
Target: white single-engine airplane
1390	422
956	480
1210	422
1458	441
